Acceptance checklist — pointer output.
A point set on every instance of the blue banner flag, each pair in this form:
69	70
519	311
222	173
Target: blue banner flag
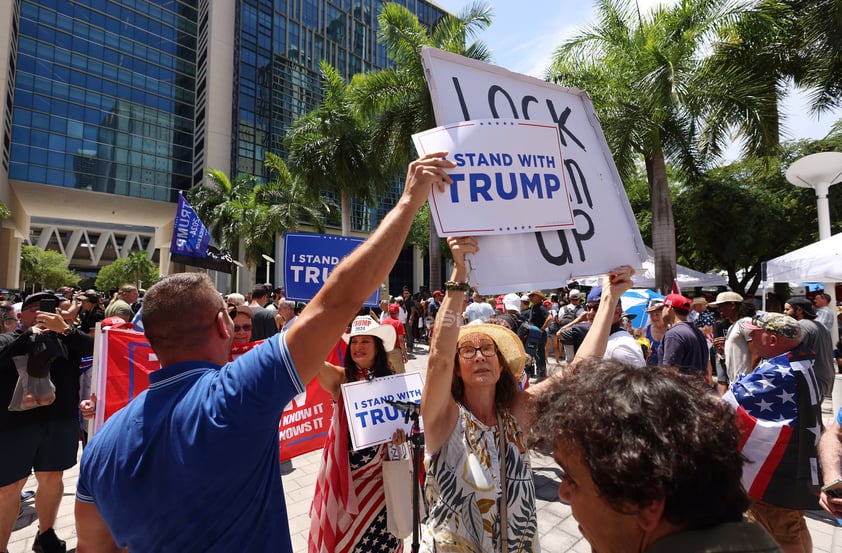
310	258
189	235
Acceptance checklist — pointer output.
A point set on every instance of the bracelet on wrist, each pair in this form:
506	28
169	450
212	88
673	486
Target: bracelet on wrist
463	286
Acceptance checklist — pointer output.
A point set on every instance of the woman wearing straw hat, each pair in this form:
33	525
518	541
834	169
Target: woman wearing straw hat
470	394
344	519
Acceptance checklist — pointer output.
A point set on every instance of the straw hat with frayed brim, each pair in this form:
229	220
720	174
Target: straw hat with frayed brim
366	326
506	341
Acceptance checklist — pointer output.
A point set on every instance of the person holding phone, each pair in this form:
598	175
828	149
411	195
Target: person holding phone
44	438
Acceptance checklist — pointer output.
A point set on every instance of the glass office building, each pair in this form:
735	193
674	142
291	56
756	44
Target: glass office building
114	107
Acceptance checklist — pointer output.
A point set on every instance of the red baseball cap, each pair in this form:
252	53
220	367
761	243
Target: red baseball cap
677	301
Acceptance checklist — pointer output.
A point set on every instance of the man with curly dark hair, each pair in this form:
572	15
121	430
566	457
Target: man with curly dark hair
651	463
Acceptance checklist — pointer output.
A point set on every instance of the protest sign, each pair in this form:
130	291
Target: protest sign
306	419
371	419
123	361
310	258
605	232
509	178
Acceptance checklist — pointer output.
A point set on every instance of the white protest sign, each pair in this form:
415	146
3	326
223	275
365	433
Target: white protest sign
371	419
508	178
605	232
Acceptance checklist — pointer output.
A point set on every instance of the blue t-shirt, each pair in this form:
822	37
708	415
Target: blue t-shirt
192	463
684	346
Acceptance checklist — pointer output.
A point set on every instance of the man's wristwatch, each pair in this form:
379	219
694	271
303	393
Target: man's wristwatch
67	331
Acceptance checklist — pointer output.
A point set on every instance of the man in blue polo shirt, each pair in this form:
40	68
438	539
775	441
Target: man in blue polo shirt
192	463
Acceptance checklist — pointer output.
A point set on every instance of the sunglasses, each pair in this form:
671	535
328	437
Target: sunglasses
591	307
244	328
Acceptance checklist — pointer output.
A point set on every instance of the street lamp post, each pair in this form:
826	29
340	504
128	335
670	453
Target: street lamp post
269	262
821	171
237	275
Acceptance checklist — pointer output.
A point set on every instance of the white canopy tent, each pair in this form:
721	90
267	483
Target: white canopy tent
818	262
686	277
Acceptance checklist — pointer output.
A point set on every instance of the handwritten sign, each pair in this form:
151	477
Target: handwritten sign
509	178
371	419
604	232
310	258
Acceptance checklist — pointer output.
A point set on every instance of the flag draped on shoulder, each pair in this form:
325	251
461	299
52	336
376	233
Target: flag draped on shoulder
189	235
778	410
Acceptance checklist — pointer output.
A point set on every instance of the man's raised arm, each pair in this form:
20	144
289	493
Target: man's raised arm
358	275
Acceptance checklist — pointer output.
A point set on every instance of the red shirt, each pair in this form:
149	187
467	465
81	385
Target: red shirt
399	330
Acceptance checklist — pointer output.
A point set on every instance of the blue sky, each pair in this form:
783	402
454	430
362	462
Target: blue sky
524	33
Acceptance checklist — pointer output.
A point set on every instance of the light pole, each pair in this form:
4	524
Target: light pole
237	275
269	262
821	171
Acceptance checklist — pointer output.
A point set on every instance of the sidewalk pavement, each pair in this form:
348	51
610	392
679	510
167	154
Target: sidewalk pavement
557	528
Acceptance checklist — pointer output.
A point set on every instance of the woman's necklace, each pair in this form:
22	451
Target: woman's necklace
364	374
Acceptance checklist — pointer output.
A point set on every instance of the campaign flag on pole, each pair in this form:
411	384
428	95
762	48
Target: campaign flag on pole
676	289
779	414
189	235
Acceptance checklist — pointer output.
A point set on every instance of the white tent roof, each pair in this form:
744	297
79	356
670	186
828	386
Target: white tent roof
686	277
818	262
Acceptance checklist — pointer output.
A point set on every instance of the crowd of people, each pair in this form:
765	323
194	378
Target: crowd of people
653	429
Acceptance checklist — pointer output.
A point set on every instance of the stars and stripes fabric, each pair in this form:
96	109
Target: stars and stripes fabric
778	408
348	512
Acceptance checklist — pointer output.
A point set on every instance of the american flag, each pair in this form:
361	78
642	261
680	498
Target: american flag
779	414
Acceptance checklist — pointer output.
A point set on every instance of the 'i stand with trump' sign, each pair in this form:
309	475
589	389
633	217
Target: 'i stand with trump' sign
603	233
509	178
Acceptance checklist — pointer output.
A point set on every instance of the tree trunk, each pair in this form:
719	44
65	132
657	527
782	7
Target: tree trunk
435	257
345	199
663	225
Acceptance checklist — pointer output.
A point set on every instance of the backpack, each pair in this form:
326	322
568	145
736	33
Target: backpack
530	335
567	314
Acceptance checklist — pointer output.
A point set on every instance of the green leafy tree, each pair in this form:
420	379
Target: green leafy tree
819	25
330	149
290	201
652	94
45	269
245	212
136	268
737	216
141	267
4	211
398	98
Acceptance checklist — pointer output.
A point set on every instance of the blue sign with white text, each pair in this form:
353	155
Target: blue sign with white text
310	258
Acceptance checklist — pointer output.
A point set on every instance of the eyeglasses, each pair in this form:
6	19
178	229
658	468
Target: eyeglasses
244	328
469	352
591	307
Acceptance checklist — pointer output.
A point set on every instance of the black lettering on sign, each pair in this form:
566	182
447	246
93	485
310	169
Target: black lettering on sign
496	91
579	237
578	183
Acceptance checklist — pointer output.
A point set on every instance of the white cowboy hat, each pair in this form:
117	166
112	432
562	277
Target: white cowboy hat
366	326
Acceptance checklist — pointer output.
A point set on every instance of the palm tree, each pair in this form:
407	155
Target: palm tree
329	147
653	95
398	98
246	213
227	208
819	23
289	201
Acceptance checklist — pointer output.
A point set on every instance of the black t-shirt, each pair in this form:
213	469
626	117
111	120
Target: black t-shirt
89	319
